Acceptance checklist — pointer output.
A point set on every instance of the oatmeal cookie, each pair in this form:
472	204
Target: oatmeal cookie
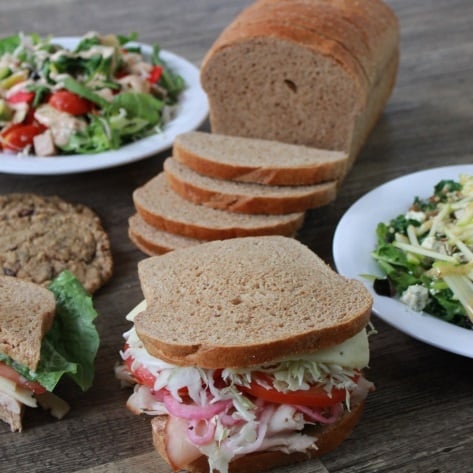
40	236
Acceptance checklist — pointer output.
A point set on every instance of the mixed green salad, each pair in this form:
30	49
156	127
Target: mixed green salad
427	253
97	97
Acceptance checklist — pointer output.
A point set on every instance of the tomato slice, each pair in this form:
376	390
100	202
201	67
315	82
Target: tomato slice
17	137
22	96
315	396
143	375
9	373
68	102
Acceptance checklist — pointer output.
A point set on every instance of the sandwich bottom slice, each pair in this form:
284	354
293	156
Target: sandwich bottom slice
249	354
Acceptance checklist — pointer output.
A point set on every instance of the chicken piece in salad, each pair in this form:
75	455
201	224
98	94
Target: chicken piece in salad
99	96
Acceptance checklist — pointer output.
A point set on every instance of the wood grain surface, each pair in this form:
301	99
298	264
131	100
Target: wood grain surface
420	419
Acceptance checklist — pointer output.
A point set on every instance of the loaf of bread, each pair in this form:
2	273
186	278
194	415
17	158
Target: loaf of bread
311	72
245	197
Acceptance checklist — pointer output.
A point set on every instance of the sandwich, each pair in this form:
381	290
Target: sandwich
248	353
45	333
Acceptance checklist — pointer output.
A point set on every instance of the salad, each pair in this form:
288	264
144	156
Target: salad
427	253
96	97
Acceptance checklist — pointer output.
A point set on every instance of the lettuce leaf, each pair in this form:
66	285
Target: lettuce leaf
71	345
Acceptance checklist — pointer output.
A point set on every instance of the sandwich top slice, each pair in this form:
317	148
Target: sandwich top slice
247	351
44	334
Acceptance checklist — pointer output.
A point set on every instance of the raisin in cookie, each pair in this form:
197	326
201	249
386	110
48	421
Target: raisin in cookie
40	236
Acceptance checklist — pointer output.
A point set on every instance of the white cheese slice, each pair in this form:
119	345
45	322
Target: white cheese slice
352	353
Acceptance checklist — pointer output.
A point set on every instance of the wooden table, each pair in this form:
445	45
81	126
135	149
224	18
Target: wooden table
420	419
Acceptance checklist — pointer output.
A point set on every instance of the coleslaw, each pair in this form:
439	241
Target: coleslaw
97	97
426	253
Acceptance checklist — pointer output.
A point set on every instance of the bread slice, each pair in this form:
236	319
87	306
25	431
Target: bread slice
245	301
26	314
257	161
161	207
246	197
312	86
326	439
153	241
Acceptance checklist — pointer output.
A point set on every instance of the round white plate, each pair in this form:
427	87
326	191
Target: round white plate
192	111
355	239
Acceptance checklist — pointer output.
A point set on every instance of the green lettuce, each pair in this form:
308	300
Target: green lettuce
71	345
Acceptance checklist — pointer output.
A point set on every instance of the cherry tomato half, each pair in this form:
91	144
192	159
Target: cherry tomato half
17	137
9	373
68	102
21	96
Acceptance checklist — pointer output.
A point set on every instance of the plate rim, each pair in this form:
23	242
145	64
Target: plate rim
418	325
194	111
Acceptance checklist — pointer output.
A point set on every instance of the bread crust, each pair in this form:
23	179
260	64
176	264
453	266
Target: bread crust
256	199
326	438
153	241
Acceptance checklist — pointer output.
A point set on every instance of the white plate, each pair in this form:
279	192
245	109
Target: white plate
192	111
355	239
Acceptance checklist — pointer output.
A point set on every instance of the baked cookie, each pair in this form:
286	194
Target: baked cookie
40	236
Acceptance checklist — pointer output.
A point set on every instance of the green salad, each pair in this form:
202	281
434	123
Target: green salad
427	253
99	96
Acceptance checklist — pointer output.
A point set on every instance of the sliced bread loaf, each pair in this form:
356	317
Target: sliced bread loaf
162	208
300	82
26	314
245	197
257	161
153	241
245	301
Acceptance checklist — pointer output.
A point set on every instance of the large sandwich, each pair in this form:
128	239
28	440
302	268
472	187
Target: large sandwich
44	334
248	352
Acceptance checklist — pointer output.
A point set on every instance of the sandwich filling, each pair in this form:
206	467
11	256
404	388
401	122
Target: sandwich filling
230	412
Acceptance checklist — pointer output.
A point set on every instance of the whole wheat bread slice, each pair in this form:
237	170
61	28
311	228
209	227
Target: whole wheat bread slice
244	197
257	161
245	301
153	241
26	314
163	208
